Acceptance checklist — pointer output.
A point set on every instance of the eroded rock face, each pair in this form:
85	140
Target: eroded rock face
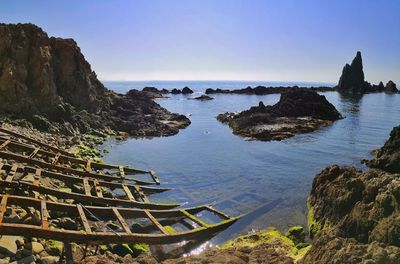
356	213
388	157
48	79
298	111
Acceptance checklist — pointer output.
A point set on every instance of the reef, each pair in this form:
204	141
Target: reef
47	81
297	112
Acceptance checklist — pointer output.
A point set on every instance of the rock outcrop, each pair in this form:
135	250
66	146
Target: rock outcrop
352	80
46	80
186	90
298	111
387	158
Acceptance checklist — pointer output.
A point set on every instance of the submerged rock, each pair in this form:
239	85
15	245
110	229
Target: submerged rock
203	97
48	81
299	111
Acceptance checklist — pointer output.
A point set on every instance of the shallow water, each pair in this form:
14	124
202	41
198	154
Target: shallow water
267	181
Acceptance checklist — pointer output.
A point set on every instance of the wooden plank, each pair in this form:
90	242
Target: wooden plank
12	172
55	160
34	152
121	171
5	143
141	193
3	207
86	186
154	176
98	188
44	214
36	181
155	222
84	220
217	212
122	221
88	166
194	218
128	192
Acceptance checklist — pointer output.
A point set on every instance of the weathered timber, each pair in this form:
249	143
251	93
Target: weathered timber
87	233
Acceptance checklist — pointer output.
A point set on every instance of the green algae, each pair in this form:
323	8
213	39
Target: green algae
170	229
271	236
315	227
296	234
139	248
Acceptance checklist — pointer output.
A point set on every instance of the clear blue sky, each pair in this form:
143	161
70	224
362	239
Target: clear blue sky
288	40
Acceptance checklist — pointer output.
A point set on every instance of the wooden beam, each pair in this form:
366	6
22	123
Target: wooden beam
141	193
121	171
194	219
36	181
86	187
56	157
84	220
155	222
128	192
122	221
88	166
5	143
11	173
3	207
44	214
34	152
98	188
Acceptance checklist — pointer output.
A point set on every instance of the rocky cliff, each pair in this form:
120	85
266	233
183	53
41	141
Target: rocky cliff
46	79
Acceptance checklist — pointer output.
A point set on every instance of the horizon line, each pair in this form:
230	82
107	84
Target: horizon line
213	80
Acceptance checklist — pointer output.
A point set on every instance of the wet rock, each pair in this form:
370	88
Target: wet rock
122	249
296	112
296	234
187	90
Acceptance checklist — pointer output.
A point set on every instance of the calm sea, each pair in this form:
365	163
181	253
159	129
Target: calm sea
267	181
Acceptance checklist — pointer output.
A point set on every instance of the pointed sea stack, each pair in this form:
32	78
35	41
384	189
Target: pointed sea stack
352	79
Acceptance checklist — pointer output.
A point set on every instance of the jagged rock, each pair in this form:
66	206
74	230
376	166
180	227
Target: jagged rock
387	158
176	91
48	81
391	87
352	79
298	111
187	90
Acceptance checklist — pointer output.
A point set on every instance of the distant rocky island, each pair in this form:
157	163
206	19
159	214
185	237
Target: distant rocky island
298	111
47	81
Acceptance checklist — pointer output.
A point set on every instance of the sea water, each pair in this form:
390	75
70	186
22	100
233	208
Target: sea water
267	182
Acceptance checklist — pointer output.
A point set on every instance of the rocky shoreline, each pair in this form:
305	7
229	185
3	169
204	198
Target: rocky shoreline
297	112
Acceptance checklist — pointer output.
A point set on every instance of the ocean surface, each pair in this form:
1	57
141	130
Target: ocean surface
268	182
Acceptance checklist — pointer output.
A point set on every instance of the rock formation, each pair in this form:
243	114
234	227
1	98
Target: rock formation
353	81
203	97
47	79
298	111
387	158
187	90
262	90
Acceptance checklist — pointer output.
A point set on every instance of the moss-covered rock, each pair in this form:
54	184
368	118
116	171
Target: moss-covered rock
296	234
139	248
54	248
122	250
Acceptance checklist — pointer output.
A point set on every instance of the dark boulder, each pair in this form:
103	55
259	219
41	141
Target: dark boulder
391	87
176	91
203	97
186	90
